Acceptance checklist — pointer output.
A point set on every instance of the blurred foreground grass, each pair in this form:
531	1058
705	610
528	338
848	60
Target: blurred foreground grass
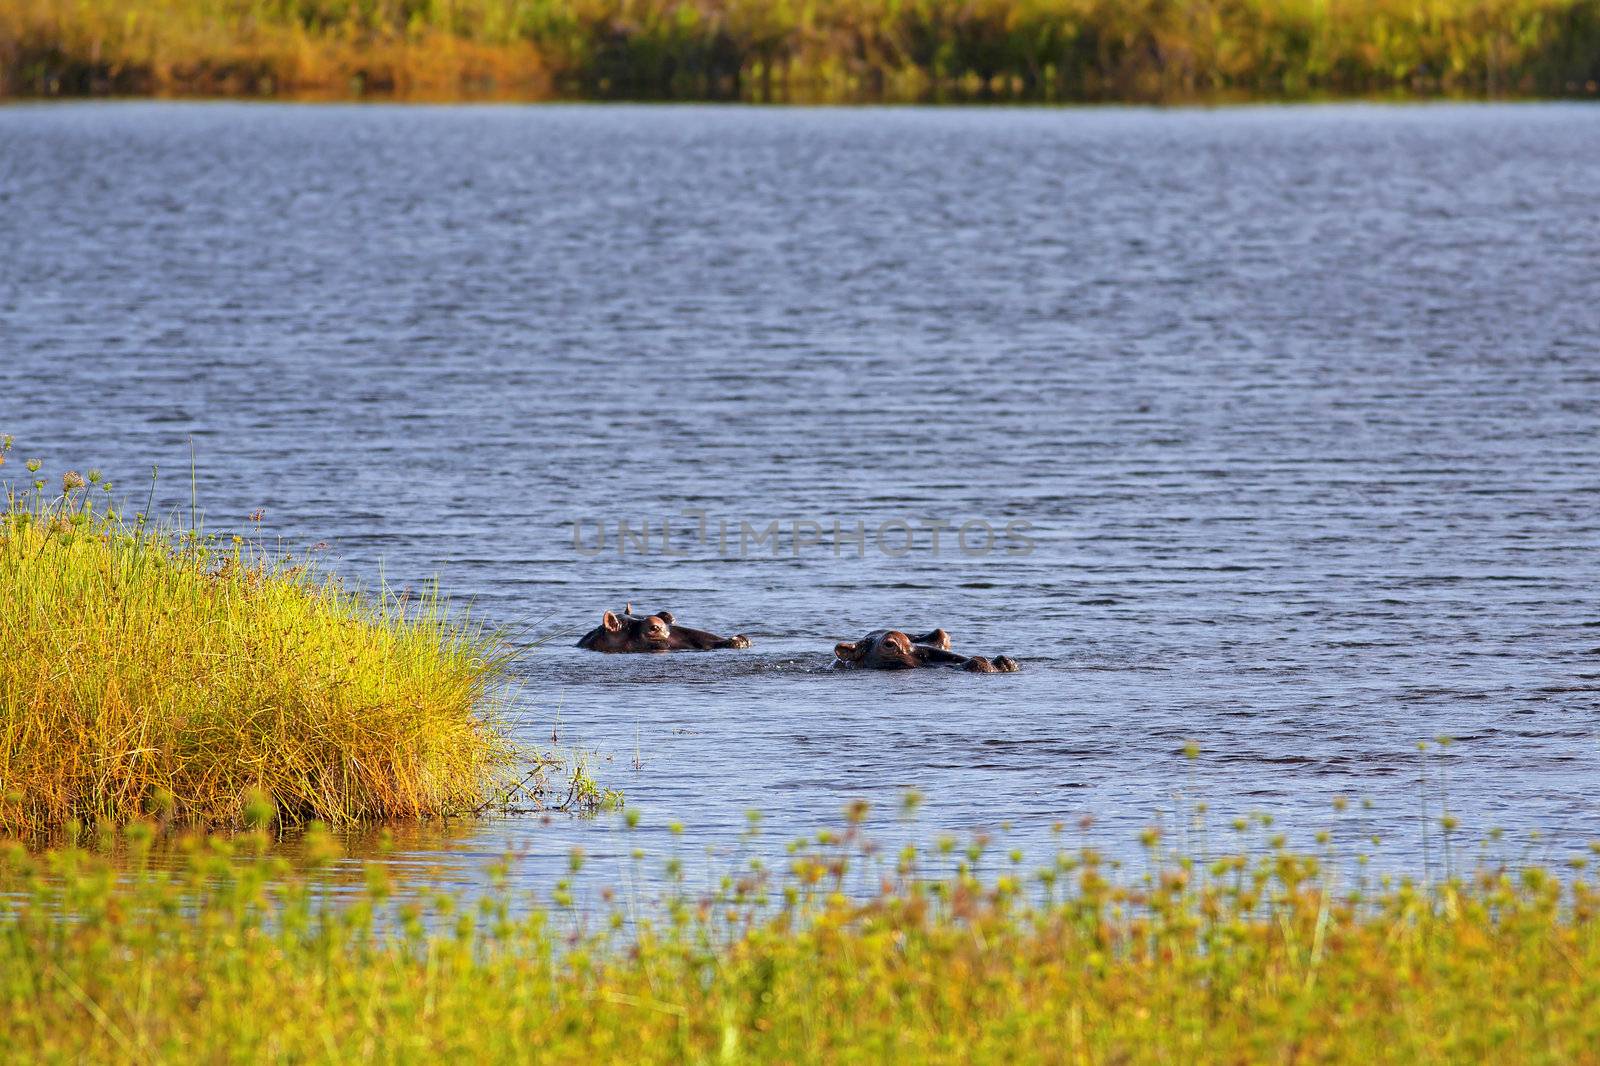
850	954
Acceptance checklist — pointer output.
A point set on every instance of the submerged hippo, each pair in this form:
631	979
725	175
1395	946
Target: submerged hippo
628	632
890	649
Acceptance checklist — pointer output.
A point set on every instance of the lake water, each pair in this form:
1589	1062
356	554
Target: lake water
1299	406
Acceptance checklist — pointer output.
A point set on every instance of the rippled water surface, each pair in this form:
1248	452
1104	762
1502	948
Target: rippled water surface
1299	405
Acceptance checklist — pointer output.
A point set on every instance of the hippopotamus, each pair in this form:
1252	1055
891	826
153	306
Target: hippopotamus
891	649
628	632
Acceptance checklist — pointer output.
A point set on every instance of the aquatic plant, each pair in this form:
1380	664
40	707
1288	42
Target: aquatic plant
851	953
152	670
1054	50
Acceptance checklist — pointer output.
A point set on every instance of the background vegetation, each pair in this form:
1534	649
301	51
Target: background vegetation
851	955
1041	50
150	670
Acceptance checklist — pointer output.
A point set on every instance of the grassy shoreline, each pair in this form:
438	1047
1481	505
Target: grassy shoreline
153	671
849	955
829	51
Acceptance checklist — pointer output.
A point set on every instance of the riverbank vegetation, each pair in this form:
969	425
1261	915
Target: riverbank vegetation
156	671
1035	50
851	954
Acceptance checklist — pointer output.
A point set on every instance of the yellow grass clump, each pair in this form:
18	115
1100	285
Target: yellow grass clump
251	48
148	670
848	956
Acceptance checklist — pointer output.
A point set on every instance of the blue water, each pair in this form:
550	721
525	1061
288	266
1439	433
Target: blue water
1298	407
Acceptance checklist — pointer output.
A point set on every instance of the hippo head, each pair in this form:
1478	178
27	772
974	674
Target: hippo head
628	632
651	628
891	650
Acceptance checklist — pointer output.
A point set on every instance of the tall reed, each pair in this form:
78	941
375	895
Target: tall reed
148	669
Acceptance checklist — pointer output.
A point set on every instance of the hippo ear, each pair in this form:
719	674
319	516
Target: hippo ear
666	616
849	652
611	622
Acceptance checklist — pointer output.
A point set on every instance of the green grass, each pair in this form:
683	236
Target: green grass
849	955
150	670
1046	50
